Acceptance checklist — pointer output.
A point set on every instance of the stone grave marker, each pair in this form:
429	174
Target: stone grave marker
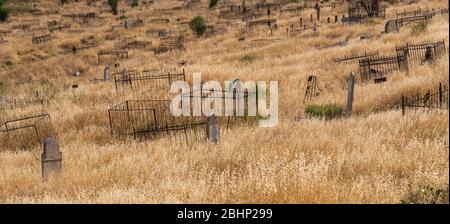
51	158
212	129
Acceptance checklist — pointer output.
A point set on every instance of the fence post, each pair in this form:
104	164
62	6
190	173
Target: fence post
351	86
440	94
51	158
301	21
318	11
403	105
212	129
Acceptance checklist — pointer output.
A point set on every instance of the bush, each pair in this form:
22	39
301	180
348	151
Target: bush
328	111
213	3
113	4
3	14
419	27
198	25
427	195
135	3
248	58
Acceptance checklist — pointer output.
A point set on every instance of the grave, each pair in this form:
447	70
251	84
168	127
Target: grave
41	39
51	159
26	131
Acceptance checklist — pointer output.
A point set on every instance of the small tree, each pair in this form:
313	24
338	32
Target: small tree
3	14
113	4
198	25
213	3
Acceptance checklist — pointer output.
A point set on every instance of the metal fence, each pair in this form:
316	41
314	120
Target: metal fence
145	80
25	132
379	66
426	51
433	98
355	57
150	118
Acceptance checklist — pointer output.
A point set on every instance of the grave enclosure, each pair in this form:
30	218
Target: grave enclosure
26	132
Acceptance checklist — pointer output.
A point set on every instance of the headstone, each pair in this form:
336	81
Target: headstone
351	86
429	53
106	73
51	158
212	129
391	26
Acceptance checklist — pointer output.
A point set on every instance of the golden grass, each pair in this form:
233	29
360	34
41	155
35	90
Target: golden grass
370	157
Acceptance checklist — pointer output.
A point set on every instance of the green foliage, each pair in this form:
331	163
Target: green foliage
427	195
328	111
213	3
113	4
1	2
122	17
3	14
419	27
295	1
248	58
198	25
135	3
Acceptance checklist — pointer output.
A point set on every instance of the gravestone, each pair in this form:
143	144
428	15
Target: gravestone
351	87
51	158
212	129
106	73
391	26
429	53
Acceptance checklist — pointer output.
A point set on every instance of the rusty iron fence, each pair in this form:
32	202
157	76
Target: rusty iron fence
150	118
375	67
355	57
117	54
310	88
146	79
426	51
379	66
12	103
25	132
436	98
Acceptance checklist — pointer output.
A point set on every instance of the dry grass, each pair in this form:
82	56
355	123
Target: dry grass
371	157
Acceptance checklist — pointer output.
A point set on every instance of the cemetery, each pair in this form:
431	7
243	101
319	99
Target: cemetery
358	90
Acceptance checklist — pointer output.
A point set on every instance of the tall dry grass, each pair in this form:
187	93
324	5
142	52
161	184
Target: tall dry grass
370	157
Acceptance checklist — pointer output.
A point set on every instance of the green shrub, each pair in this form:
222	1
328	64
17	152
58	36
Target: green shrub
213	3
328	111
426	195
198	25
3	14
248	58
419	27
135	3
113	4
